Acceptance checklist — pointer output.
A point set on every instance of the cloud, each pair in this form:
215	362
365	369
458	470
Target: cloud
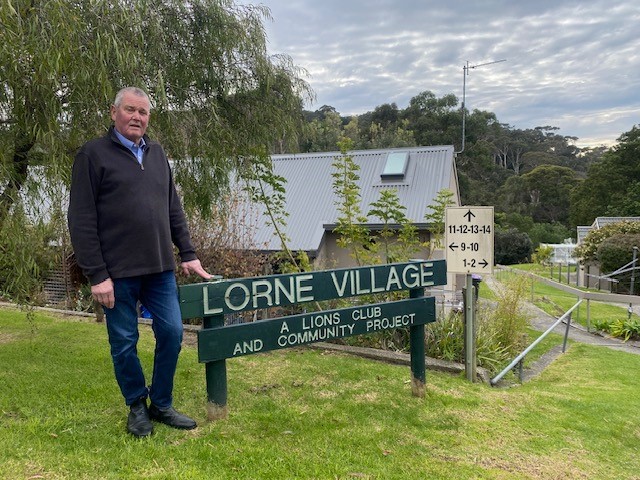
570	64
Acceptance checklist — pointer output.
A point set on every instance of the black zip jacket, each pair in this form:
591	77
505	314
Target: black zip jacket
124	217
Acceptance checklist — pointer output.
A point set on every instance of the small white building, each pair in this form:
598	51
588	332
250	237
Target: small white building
562	253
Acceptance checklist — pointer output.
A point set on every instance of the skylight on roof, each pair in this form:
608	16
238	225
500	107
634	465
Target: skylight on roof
396	164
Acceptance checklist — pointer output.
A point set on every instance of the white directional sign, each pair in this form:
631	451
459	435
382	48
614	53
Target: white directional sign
469	239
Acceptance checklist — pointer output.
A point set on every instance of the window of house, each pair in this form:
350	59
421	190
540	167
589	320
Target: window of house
395	166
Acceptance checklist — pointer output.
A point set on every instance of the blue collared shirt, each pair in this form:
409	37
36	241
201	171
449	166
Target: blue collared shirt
137	150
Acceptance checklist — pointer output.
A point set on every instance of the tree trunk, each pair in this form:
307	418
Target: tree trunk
18	171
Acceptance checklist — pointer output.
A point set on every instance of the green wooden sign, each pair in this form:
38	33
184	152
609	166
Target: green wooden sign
217	342
237	295
248	338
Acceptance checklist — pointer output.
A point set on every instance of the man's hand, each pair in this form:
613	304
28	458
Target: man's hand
103	293
194	266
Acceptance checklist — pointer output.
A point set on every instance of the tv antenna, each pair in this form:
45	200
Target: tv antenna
465	72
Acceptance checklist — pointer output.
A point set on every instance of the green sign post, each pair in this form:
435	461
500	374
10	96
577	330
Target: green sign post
217	342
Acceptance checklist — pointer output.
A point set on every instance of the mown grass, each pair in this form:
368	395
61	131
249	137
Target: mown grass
307	414
555	272
486	293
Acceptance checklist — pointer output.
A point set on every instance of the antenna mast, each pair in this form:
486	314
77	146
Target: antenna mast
465	72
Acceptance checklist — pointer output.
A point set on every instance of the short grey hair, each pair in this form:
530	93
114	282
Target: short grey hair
134	90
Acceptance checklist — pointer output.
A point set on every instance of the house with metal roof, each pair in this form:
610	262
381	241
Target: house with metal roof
590	275
416	173
598	223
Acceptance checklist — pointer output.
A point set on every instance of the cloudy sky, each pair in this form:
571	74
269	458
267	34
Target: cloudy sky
569	64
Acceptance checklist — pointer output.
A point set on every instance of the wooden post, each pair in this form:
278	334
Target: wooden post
216	377
416	345
98	310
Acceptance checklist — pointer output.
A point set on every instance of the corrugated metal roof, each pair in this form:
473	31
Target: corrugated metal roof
310	200
600	222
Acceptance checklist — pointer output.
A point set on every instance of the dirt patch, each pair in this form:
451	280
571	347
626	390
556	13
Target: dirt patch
369	397
190	339
6	338
535	467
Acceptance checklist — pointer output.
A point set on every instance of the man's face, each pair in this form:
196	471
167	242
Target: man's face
131	117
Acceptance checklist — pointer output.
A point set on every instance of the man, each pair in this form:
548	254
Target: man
124	218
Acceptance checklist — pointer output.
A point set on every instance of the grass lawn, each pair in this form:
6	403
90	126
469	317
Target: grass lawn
557	273
311	415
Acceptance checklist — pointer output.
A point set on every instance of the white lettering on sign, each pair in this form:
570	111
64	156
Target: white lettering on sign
325	326
208	310
375	289
315	335
266	293
244	348
364	313
341	288
413	275
269	292
394	279
300	288
469	239
359	289
316	327
245	291
320	320
396	321
264	289
280	288
237	296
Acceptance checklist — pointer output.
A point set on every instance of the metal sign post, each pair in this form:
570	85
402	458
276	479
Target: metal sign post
469	250
470	359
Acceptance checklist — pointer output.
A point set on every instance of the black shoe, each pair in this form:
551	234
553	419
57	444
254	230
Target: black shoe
138	423
170	417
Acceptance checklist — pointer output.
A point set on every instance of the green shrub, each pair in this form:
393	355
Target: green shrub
616	251
602	325
26	257
587	251
512	247
507	318
626	329
445	338
542	255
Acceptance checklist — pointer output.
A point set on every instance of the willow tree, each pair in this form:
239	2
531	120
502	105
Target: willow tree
219	100
217	95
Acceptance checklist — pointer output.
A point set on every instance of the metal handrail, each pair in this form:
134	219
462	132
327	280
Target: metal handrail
520	357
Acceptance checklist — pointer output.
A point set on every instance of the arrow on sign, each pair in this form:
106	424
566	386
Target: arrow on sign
469	215
453	246
484	263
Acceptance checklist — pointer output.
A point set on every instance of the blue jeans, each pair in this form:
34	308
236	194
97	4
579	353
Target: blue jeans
159	293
